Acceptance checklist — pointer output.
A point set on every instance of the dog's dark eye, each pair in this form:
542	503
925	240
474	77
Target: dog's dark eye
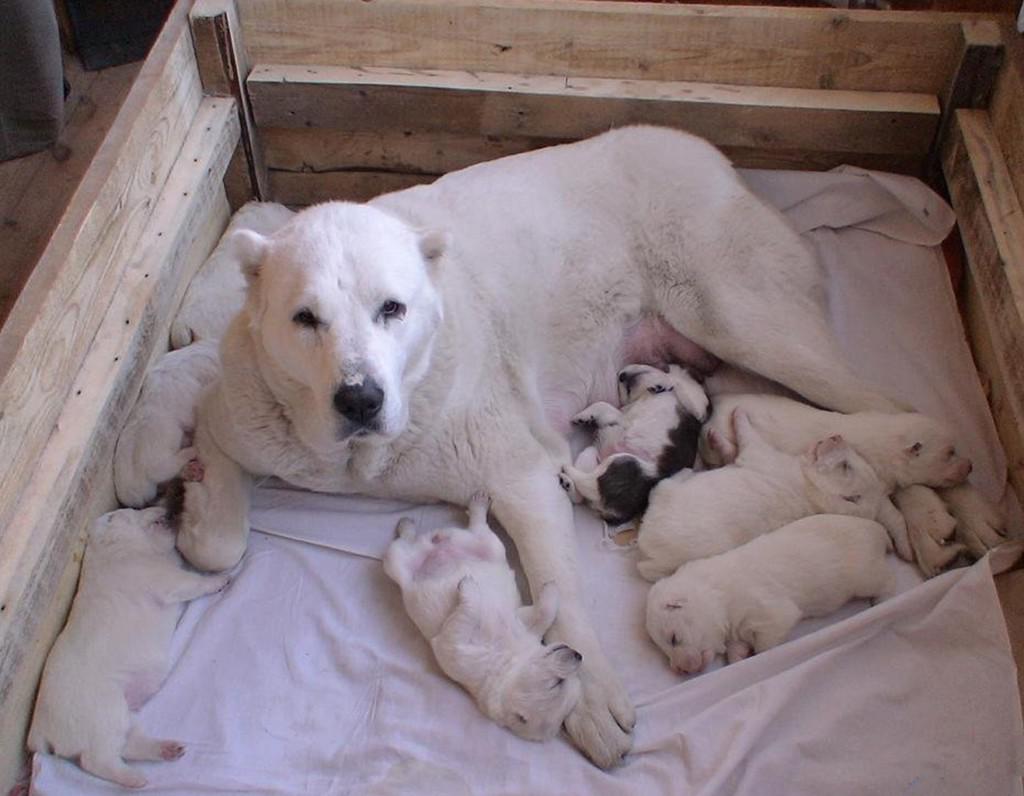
657	388
915	448
556	683
852	498
391	309
674	640
305	317
521	717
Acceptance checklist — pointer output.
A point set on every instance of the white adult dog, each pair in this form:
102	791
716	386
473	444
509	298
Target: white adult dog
114	652
437	342
749	599
460	591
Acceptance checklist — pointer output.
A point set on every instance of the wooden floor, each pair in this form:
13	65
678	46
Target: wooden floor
35	189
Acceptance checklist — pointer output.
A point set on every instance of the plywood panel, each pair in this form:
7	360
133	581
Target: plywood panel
502	105
992	226
800	48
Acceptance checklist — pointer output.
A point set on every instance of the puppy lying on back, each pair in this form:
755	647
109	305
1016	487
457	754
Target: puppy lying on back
653	436
715	511
750	599
458	588
155	443
113	653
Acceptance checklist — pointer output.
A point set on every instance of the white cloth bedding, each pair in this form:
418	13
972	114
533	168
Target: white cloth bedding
306	677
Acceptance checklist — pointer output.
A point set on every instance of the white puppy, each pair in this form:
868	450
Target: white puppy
711	512
113	653
458	588
217	291
155	443
653	436
750	599
903	448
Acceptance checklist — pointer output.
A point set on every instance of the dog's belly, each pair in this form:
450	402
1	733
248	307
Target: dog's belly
646	341
651	341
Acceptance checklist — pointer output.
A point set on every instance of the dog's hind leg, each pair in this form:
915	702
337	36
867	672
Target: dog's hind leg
105	762
142	747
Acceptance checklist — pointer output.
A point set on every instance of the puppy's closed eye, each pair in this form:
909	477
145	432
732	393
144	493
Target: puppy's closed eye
852	498
674	641
522	719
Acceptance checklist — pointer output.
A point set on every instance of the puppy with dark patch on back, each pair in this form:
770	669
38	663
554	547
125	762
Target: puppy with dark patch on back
654	435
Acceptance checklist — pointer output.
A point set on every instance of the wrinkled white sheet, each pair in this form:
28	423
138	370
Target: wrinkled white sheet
306	677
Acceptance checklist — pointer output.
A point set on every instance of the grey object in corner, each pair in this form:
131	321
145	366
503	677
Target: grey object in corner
31	77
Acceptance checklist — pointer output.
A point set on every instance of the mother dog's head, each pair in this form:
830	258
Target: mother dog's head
343	310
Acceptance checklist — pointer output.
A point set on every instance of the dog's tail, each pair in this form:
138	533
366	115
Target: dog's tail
406	528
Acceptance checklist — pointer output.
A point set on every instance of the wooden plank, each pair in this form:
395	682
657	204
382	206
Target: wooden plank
992	226
539	106
299	189
797	48
223	67
70	482
1007	107
974	79
59	310
359	171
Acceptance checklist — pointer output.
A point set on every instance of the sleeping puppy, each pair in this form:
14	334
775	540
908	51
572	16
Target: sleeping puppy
653	436
155	443
458	588
113	653
903	448
715	511
749	599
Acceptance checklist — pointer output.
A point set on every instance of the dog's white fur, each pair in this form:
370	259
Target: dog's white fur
113	654
711	512
217	291
460	591
749	599
653	403
551	270
155	443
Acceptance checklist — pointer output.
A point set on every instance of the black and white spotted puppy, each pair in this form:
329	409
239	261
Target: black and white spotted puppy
654	435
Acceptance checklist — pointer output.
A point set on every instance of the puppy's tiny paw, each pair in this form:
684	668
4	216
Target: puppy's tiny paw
585	419
193	471
480	499
171	750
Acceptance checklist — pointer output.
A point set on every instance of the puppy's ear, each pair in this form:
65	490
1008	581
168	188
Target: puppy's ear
433	244
539	617
249	248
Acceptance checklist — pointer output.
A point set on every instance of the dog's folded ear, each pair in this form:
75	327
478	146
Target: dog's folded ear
433	243
248	248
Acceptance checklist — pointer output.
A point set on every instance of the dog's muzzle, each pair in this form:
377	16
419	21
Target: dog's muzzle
359	403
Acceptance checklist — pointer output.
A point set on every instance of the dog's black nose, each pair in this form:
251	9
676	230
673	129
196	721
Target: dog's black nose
359	403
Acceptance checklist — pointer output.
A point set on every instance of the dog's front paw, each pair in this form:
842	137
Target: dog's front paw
980	524
601	724
932	557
